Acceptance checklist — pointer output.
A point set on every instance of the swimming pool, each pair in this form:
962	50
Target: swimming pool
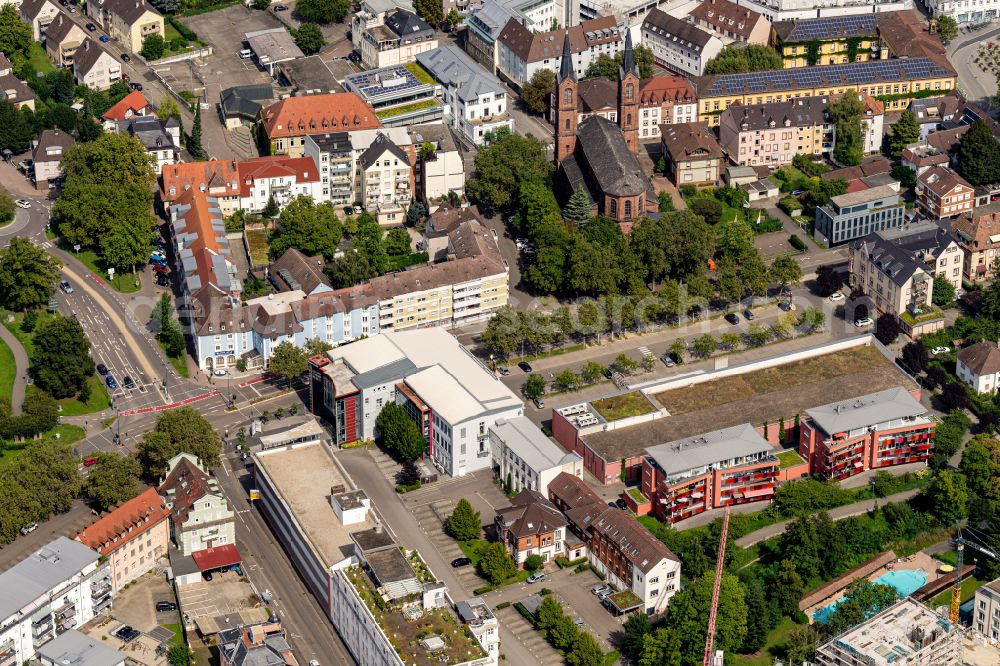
905	581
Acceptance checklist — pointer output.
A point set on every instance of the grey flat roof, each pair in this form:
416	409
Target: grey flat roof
72	648
530	444
273	45
41	571
389	566
863	196
394	371
846	415
708	449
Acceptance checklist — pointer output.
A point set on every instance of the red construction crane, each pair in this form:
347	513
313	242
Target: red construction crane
720	563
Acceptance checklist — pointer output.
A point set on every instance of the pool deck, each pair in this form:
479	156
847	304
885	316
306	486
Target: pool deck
920	561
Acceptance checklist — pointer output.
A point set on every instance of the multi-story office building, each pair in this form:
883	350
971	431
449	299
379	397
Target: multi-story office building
677	45
901	78
722	468
401	94
789	10
905	633
58	587
877	430
522	453
833	40
857	214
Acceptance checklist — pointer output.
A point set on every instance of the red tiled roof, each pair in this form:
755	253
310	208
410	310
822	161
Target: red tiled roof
277	166
534	46
856	185
725	16
315	114
189	484
129	521
666	88
134	102
217	557
216	177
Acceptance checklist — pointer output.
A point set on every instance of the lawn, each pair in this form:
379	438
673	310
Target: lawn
7	372
39	59
968	590
124	284
68	434
420	73
789	459
179	362
637	495
259	248
406	108
927	315
99	400
772	649
623	406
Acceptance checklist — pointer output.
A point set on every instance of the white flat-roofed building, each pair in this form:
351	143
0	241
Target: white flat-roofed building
905	634
521	451
60	586
75	649
272	47
986	611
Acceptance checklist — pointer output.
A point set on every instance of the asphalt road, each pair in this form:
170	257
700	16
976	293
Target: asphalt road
976	84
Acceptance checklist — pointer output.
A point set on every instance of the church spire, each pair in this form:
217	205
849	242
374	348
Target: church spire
566	67
628	62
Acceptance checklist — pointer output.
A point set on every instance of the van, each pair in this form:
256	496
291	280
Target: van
245	54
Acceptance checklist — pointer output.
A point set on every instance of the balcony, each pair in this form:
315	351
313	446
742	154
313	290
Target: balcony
97	588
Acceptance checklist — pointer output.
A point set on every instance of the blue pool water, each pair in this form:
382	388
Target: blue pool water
906	582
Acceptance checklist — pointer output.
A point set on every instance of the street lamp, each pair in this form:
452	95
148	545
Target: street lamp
166	391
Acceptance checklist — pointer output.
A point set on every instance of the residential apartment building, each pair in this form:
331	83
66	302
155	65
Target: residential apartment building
59	586
279	176
907	627
531	525
922	156
522	453
978	365
160	138
288	122
978	234
46	156
692	153
965	12
857	214
132	537
452	397
201	516
522	52
219	179
890	276
732	22
832	40
129	22
62	38
386	181
873	431
942	193
390	37
13	89
617	545
986	611
477	101
934	246
677	45
484	24
785	10
665	99
39	14
723	468
905	77
133	105
94	67
772	134
439	171
254	644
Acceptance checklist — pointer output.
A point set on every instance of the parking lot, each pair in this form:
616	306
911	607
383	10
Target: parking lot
136	606
226	593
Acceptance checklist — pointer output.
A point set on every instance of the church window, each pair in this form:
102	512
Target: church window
628	119
567	123
628	209
614	207
568	96
629	91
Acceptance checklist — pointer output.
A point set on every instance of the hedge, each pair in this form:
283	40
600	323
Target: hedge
796	242
186	32
407	488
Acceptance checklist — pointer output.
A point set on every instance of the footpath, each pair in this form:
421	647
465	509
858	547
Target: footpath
20	369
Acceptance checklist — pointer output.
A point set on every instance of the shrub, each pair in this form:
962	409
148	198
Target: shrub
533	562
502	605
796	242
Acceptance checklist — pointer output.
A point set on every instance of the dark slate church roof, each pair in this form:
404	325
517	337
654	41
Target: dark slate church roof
615	168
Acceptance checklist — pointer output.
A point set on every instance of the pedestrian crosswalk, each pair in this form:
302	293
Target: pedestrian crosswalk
646	353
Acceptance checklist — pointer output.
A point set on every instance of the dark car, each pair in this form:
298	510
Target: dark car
126	57
163	606
785	305
162	280
135	86
127	381
732	318
102	369
524	365
620	503
207	575
90	26
280	8
461	562
110	381
748	314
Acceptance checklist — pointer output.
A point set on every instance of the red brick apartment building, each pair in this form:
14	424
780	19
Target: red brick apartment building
881	429
722	468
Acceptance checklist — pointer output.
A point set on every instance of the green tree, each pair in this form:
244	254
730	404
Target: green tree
310	228
636	629
578	209
180	654
906	176
661	648
535	93
16	131
15	34
315	346
608	67
689	608
397	242
112	480
194	141
453	18
501	334
710	209
505	161
549	612
153	47
947	28
758	618
592	371
800	644
887	328
323	11
946	497
568	380
288	361
585	651
863	600
915	356
429	10
309	38
351	269
800	544
736	239
27	275
496	563
60	358
534	386
182	430
624	364
464	523
533	562
705	345
563	634
904	132
735	59
399	434
943	292
847	112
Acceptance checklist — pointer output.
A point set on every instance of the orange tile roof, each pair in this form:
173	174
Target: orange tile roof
666	88
315	114
199	221
130	520
134	102
216	177
277	166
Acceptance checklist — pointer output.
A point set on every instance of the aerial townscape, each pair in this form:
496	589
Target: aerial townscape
525	332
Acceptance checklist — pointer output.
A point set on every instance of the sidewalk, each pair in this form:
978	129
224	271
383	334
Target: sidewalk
20	370
838	513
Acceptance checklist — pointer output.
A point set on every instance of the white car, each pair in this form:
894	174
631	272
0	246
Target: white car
220	373
23	203
836	296
940	350
861	323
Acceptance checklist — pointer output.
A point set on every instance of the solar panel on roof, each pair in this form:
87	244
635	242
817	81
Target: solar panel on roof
834	26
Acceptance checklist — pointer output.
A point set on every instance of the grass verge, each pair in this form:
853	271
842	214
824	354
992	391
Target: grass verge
99	400
179	362
8	370
122	284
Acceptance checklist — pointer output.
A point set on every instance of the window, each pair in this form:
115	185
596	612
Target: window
614	207
568	96
628	209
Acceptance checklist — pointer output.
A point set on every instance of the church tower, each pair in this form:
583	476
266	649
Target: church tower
565	105
628	96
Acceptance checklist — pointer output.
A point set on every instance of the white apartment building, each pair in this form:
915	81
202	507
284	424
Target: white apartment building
531	460
201	516
442	170
679	46
94	67
386	181
60	586
385	33
965	11
279	176
788	10
986	611
978	365
477	101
